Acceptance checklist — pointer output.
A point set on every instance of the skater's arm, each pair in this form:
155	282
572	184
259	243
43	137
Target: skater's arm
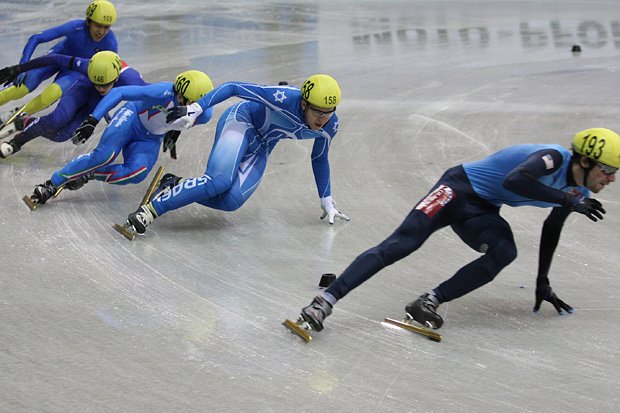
523	180
549	239
47	36
130	93
320	166
60	61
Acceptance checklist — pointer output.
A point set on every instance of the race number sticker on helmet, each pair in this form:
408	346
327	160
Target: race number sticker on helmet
599	144
193	84
321	90
436	200
102	12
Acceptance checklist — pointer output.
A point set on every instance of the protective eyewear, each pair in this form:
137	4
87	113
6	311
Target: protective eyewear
607	170
321	114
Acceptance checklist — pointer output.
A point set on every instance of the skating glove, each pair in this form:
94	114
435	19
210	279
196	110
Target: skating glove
329	210
170	142
545	293
589	207
8	74
20	79
83	132
184	117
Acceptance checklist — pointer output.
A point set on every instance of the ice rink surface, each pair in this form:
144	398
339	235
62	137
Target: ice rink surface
188	317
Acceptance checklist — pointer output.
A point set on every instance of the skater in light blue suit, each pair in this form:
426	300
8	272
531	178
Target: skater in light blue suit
246	134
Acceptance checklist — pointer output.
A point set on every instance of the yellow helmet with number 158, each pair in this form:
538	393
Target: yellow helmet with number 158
321	91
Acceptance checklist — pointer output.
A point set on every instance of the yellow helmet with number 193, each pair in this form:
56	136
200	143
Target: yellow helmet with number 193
599	144
321	91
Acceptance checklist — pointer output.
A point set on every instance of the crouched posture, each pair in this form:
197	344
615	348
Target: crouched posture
246	134
136	130
468	198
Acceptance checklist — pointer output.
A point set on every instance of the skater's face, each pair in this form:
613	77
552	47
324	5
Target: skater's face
600	176
316	117
97	31
104	89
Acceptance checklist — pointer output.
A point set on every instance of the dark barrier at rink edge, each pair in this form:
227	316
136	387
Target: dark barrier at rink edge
589	33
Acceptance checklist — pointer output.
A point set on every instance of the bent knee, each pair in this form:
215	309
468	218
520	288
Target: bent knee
504	253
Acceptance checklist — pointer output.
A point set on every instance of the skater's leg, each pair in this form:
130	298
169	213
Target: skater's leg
491	235
248	178
438	209
58	125
114	138
231	141
33	80
52	92
139	156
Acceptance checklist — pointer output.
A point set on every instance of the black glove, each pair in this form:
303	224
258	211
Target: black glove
83	132
8	74
545	293
589	207
176	113
170	142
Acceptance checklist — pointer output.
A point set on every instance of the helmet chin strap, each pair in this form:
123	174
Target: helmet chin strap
586	171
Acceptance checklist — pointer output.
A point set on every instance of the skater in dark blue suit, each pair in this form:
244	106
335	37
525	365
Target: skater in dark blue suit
468	198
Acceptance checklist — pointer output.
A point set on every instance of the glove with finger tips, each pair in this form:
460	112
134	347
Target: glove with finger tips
176	113
329	210
20	79
84	131
9	74
545	293
589	207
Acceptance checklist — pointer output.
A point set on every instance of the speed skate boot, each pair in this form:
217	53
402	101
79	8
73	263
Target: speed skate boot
4	117
9	148
424	311
142	218
79	182
316	312
43	192
165	185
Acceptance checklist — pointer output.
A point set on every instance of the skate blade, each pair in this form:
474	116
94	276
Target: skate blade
407	325
297	328
30	202
12	118
125	231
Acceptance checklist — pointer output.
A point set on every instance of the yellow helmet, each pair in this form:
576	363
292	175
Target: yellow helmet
102	12
321	90
599	144
104	67
193	84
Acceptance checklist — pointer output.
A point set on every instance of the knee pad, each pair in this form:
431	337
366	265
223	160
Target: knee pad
13	93
50	95
503	253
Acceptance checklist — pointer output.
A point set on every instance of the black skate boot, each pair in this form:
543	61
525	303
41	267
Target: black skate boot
8	148
79	182
316	312
424	311
166	183
142	218
43	192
